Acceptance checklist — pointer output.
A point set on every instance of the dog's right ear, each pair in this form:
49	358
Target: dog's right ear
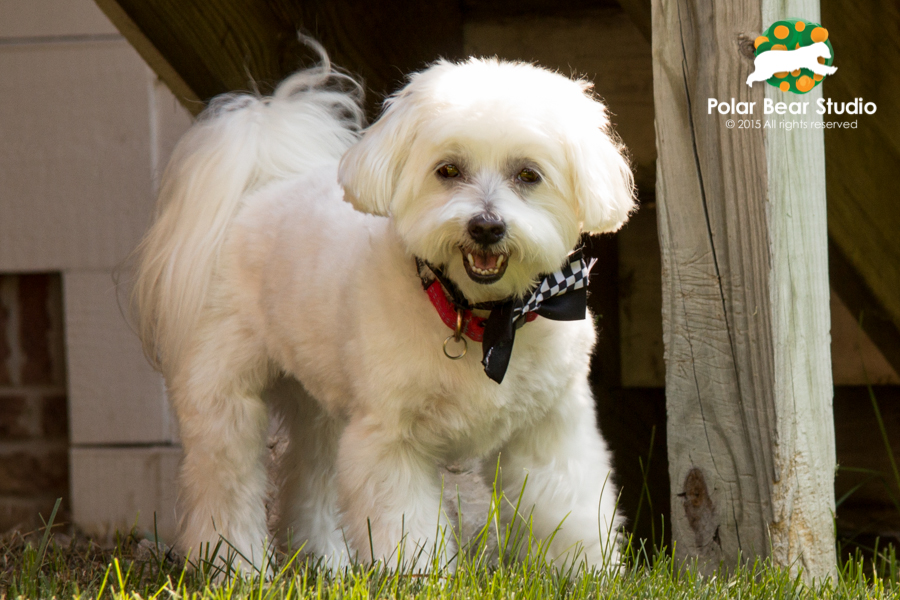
370	169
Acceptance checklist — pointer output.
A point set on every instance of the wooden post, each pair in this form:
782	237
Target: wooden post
745	297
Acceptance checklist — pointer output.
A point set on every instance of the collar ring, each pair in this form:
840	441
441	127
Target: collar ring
457	339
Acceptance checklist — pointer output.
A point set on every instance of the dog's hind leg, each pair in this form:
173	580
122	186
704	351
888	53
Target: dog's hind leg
223	425
307	497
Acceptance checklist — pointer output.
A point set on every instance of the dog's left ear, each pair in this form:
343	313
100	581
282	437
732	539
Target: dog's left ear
602	179
369	170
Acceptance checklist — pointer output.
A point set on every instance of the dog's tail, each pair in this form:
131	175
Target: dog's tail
240	143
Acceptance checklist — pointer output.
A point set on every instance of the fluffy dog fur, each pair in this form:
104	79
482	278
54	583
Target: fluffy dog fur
280	275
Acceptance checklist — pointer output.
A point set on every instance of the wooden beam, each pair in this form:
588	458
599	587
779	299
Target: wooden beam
863	186
639	13
745	300
864	305
153	57
202	48
501	10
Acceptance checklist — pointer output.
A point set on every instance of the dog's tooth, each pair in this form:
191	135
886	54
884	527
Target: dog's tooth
471	260
500	261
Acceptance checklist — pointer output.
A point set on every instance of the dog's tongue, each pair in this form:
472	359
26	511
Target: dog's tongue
485	261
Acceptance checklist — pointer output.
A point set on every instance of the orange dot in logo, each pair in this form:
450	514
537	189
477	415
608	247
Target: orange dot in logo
799	25
781	75
804	84
784	86
781	32
819	34
796	73
818	77
779	47
821	60
797	46
759	41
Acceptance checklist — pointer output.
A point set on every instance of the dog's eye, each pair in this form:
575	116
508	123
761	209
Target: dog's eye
528	176
448	171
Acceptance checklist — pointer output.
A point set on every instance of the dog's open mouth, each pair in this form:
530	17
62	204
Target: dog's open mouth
484	266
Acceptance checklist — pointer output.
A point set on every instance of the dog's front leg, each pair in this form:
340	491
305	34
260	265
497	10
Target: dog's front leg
390	498
558	472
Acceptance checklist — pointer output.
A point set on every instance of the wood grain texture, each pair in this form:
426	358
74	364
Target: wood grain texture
711	209
729	414
217	46
802	529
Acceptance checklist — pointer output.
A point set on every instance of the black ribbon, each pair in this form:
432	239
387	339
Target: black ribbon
509	315
500	327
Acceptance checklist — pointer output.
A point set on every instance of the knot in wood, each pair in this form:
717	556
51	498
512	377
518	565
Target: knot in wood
699	509
746	47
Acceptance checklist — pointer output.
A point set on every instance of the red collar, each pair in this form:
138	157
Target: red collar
473	326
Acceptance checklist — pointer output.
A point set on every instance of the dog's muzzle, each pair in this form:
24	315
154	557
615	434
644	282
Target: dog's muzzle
484	264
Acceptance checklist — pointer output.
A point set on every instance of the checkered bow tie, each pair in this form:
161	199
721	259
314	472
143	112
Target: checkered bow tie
573	276
559	296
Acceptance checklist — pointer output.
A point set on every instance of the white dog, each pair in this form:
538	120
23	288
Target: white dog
282	273
770	62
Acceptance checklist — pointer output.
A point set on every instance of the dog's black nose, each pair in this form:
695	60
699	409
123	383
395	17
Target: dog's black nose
486	229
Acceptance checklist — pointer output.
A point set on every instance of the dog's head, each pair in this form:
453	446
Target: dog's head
491	170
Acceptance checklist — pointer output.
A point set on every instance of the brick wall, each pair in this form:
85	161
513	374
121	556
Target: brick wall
34	464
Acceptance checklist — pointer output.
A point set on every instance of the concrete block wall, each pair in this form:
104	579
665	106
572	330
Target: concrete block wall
85	129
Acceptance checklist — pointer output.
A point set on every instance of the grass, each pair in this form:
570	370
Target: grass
85	571
41	565
50	564
45	565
